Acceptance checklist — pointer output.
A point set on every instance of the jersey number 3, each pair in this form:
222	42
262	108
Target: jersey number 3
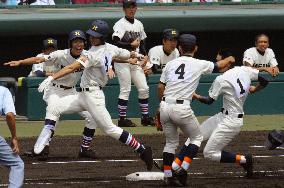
241	86
180	71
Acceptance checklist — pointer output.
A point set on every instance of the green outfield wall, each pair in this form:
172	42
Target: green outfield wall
269	101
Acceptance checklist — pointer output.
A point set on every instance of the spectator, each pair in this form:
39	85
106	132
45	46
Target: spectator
261	55
41	70
9	156
160	55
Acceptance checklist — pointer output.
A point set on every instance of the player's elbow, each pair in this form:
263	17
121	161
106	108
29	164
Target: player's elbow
10	117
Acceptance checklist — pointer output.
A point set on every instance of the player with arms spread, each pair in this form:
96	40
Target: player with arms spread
178	82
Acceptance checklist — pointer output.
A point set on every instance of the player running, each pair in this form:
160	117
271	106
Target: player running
178	82
91	97
220	129
60	88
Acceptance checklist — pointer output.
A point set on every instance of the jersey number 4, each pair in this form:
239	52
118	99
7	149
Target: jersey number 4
180	71
241	86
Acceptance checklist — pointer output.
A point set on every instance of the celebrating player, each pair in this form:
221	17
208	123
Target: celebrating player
178	82
60	88
221	128
160	55
91	97
261	55
129	34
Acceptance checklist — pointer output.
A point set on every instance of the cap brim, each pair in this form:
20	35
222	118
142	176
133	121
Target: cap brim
129	4
94	34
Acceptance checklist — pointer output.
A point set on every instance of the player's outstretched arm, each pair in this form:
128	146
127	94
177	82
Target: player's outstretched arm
224	64
28	61
206	100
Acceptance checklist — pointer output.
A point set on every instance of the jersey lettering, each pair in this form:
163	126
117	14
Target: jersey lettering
241	86
180	71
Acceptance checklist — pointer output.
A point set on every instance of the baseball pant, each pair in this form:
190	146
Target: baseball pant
174	116
219	129
92	101
13	161
126	73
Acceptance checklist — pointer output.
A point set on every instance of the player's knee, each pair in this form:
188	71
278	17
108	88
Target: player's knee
124	94
143	93
170	147
21	165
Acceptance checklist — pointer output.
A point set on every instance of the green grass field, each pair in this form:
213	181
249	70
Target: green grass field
75	127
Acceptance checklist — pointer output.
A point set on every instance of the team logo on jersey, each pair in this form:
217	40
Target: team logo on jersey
50	41
174	32
95	27
77	33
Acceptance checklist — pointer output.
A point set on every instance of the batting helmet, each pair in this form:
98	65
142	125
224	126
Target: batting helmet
99	28
77	34
275	139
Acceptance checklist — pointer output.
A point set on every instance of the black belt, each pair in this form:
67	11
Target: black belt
227	113
88	89
178	101
62	86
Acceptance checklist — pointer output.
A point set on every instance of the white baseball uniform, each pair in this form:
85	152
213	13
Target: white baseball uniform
181	77
255	59
128	32
92	98
157	56
41	67
221	128
58	89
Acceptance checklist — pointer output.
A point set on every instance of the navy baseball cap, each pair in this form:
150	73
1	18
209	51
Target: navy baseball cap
99	28
187	40
170	34
49	42
129	3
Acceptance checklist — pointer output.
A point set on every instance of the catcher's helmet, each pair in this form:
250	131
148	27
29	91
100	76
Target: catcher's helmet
275	139
77	34
99	28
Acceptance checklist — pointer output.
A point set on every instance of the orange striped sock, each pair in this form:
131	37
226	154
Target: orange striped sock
186	163
176	164
168	171
238	158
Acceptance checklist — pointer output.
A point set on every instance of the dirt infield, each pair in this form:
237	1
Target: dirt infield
115	161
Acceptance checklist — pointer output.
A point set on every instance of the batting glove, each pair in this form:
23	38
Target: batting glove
44	85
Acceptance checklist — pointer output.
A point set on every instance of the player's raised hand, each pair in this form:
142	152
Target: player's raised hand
13	63
45	84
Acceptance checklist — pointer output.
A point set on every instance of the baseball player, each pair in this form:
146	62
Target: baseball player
221	128
9	156
160	55
60	88
261	55
91	97
40	69
129	34
178	82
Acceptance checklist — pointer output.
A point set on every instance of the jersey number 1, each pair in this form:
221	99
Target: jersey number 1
241	86
180	71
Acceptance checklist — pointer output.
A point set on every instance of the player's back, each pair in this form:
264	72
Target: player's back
234	85
182	76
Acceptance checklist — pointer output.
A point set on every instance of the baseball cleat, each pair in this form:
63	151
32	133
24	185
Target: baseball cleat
126	123
42	156
87	153
173	181
148	121
181	175
147	157
248	166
